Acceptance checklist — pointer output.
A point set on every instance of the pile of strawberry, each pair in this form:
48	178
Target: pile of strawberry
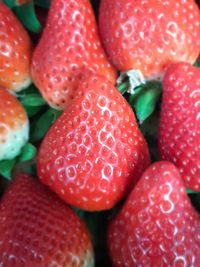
100	133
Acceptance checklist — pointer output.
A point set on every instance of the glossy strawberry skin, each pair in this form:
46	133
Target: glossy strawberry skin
14	125
69	47
148	35
15	52
157	225
38	230
94	153
179	131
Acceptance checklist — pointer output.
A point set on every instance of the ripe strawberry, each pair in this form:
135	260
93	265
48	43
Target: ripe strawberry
15	52
38	230
157	226
14	126
94	152
179	133
148	35
69	47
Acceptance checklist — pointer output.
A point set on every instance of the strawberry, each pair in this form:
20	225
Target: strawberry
94	152
147	35
179	130
37	230
15	52
14	126
157	225
69	47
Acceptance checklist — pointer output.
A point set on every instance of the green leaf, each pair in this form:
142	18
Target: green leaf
28	152
41	126
33	100
145	101
10	3
26	14
123	87
189	191
197	63
6	167
32	111
43	3
150	131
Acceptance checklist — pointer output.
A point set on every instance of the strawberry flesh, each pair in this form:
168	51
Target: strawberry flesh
179	131
15	52
69	48
157	226
94	153
148	35
38	230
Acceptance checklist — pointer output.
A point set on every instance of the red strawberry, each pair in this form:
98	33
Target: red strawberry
94	152
69	47
37	230
15	52
147	35
179	133
157	226
14	126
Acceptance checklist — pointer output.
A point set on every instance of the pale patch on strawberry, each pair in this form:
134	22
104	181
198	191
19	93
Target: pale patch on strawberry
12	140
22	85
89	259
14	126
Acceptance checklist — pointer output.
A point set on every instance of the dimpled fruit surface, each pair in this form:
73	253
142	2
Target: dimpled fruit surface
157	226
15	52
37	230
179	130
148	35
94	153
14	125
69	47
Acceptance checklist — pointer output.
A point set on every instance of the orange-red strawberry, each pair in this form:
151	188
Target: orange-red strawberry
157	225
179	133
37	230
15	52
94	152
14	126
147	35
69	47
